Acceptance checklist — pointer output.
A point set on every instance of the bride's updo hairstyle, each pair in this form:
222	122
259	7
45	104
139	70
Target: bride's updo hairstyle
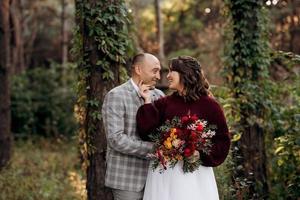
191	75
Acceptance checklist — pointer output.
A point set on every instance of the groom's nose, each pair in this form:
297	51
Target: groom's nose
157	76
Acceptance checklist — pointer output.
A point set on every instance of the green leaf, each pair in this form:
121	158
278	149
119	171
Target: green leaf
279	149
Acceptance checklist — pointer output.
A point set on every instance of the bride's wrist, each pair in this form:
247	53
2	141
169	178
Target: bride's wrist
147	101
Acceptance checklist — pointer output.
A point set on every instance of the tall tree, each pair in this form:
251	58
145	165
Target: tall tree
64	34
159	30
17	44
5	67
295	27
64	40
101	43
248	59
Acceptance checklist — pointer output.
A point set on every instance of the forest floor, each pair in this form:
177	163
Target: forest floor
42	169
49	169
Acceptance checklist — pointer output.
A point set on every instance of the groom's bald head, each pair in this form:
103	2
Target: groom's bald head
141	58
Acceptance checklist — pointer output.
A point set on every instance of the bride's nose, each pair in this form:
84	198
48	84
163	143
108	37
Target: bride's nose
168	75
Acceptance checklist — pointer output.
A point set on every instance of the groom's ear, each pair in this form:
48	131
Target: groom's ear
137	69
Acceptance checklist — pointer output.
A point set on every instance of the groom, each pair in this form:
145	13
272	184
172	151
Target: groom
127	167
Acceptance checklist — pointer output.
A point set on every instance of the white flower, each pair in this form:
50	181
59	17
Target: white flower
193	158
208	134
177	143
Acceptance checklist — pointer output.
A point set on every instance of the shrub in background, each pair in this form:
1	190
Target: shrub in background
43	101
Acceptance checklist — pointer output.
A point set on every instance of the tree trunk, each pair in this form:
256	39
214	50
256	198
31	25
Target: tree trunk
159	33
295	27
253	159
17	47
96	169
64	41
5	134
136	21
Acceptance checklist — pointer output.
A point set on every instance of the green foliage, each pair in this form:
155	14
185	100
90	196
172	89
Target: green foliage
247	54
43	169
282	127
223	178
181	52
41	104
223	172
284	131
107	26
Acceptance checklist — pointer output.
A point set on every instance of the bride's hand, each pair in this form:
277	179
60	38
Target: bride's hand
144	91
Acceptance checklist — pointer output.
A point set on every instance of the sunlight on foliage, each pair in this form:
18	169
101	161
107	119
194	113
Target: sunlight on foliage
78	183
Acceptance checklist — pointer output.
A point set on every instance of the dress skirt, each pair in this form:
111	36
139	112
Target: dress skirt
174	184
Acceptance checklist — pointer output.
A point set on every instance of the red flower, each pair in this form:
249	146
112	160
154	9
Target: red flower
199	127
192	147
193	136
194	118
182	134
187	152
184	119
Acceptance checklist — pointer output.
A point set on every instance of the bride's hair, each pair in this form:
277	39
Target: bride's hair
191	75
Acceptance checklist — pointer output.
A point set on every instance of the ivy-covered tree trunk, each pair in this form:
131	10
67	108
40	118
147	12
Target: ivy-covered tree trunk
5	133
247	61
100	44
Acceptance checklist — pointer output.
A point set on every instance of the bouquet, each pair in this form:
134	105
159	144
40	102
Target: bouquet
181	139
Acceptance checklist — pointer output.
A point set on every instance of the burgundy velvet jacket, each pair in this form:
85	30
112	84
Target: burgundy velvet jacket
151	116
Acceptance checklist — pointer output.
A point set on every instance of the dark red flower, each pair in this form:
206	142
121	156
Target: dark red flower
192	147
194	118
193	136
184	119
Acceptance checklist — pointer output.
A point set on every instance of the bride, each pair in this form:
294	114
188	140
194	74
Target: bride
191	96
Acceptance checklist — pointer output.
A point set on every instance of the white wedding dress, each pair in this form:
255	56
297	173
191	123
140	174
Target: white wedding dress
173	184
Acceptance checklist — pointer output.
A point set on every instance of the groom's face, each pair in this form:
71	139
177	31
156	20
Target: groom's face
150	70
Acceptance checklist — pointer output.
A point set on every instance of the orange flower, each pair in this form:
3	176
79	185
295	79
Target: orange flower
168	143
178	157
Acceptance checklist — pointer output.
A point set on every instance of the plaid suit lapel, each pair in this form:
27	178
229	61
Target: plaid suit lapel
138	100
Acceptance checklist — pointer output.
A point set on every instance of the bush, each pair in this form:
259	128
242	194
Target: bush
285	139
42	102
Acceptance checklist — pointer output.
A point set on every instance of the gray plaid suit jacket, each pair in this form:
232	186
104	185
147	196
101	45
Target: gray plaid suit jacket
126	164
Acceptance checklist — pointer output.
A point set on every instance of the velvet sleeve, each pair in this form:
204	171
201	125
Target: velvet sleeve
149	117
221	140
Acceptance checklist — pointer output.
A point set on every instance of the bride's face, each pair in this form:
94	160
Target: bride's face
174	81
